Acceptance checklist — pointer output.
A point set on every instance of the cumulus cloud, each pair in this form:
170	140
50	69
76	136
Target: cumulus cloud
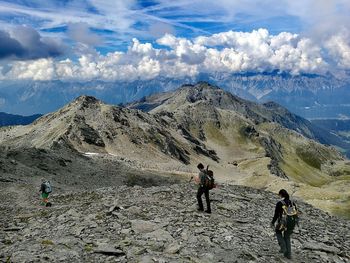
339	48
26	43
228	52
40	69
189	52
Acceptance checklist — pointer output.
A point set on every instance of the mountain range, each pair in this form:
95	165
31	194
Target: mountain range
11	119
310	96
168	134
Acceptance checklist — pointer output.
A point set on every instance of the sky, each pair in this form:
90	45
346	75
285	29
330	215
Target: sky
114	40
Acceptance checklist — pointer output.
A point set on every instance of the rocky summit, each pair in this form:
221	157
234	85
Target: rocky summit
161	224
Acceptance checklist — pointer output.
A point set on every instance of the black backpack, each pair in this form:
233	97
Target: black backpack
47	187
209	179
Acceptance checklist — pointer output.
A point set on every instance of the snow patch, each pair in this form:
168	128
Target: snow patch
91	154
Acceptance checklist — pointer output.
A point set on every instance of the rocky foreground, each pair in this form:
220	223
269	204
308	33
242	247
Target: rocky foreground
161	224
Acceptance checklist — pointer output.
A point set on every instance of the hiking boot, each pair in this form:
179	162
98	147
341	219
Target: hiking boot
200	209
208	211
287	256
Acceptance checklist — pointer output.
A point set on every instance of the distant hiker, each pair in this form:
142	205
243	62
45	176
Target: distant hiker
203	189
286	215
45	190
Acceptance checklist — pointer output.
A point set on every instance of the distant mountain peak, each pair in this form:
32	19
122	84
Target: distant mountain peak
86	99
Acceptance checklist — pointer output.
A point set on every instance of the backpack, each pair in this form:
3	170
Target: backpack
47	187
289	216
209	179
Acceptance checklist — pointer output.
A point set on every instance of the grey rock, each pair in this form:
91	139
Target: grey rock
173	248
107	249
159	235
320	247
142	226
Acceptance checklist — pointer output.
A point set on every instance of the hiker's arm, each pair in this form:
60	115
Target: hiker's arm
277	212
296	207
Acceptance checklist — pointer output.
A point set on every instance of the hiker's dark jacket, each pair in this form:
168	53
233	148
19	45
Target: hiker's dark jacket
279	210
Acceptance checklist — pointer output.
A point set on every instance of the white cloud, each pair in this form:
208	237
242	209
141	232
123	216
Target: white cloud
320	18
148	68
260	51
339	49
189	52
141	49
40	69
230	52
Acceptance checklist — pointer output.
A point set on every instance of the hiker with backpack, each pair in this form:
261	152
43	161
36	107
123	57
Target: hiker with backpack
45	190
286	215
206	183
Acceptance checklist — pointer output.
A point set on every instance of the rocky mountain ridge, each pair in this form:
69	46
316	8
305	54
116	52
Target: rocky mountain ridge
267	112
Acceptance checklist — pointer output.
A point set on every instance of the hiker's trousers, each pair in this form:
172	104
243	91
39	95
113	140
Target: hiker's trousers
283	238
201	191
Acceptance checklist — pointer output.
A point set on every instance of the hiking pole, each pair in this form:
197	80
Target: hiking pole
190	179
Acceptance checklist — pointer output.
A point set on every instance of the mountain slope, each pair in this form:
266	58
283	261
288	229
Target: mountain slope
269	111
258	139
203	103
88	125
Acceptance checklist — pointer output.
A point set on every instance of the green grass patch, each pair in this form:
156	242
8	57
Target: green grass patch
88	247
47	242
215	134
309	157
342	209
298	171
